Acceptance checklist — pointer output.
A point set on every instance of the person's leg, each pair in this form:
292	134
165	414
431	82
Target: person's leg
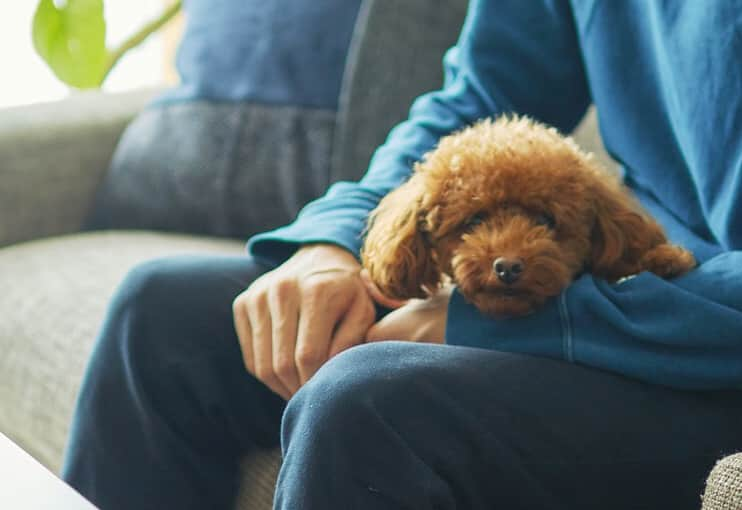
399	425
167	408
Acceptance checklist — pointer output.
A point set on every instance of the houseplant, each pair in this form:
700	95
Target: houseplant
70	36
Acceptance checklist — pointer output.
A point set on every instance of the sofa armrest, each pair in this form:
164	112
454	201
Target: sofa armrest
52	157
724	485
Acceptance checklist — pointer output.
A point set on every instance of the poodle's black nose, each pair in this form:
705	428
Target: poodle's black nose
507	270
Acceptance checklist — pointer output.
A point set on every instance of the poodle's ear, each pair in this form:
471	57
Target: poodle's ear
622	234
396	251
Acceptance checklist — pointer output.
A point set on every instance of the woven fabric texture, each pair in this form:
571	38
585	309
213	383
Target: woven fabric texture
258	480
396	55
52	157
224	169
55	292
282	52
724	485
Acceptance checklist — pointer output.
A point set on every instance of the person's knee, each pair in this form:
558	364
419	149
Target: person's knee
356	389
364	370
147	286
134	332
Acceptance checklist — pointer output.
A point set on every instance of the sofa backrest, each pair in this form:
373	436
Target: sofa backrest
396	55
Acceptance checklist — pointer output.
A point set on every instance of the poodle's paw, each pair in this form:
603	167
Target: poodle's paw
668	261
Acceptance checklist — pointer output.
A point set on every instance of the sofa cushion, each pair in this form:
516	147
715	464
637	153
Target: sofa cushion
245	140
397	55
277	52
55	293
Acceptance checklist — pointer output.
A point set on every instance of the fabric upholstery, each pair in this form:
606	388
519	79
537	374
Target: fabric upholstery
278	52
245	140
55	292
724	485
396	55
226	169
53	157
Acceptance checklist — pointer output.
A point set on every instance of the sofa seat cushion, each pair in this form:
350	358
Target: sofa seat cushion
54	296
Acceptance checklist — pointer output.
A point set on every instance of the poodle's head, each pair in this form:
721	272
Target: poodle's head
511	211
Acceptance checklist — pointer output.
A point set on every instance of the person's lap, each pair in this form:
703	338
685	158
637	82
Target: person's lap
452	427
414	425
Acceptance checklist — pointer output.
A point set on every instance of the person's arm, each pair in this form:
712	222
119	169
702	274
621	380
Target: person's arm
684	333
512	56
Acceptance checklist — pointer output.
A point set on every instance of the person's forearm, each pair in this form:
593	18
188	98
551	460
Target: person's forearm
495	68
339	217
685	333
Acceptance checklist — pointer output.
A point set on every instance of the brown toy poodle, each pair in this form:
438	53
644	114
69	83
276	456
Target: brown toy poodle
511	212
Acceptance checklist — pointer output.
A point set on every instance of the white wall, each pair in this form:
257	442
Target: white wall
25	78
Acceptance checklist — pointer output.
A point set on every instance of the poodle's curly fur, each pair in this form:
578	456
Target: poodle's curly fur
512	212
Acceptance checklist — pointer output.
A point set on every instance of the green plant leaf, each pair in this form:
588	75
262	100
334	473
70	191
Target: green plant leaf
71	39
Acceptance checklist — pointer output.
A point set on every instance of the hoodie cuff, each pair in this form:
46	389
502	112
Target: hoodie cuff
544	333
277	246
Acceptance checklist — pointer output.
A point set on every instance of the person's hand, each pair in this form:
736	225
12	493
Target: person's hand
291	320
417	320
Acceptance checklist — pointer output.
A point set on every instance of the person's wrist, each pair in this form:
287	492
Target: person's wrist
324	254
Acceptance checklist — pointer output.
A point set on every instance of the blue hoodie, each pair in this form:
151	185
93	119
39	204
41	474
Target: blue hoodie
666	78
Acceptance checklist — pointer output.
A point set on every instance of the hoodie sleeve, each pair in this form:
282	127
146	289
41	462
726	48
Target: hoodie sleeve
684	333
512	56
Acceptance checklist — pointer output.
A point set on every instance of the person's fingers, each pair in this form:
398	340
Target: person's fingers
377	295
374	334
418	321
317	319
262	340
390	327
381	331
284	313
244	335
352	328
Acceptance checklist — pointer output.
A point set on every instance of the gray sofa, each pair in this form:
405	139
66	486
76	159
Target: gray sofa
56	280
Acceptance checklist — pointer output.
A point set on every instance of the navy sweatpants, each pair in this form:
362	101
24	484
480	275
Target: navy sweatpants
167	410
